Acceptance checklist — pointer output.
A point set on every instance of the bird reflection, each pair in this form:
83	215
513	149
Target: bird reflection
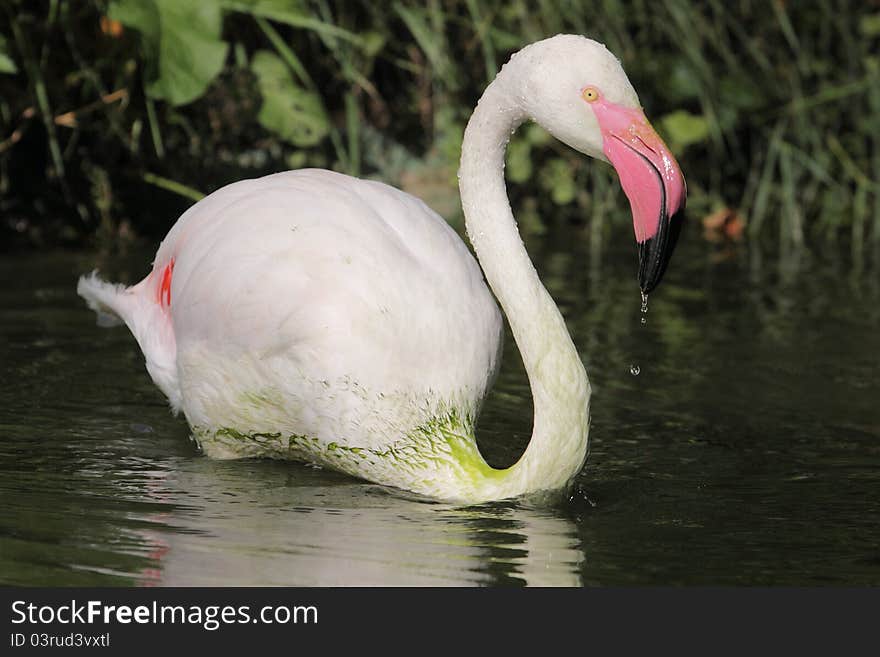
311	528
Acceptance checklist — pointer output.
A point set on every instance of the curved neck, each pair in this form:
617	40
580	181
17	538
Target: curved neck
560	389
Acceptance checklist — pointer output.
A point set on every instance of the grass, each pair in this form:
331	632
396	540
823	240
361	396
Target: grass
773	108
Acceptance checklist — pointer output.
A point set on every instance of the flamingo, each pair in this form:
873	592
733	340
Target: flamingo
313	316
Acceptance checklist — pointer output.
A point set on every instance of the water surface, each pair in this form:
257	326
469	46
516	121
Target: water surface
746	451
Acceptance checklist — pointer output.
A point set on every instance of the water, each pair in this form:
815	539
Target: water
747	452
634	369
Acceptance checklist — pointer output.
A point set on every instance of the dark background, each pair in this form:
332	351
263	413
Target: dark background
115	115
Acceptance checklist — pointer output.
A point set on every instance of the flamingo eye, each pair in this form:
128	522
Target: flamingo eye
590	94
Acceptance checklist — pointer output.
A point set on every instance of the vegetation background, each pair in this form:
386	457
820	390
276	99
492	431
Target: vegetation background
116	114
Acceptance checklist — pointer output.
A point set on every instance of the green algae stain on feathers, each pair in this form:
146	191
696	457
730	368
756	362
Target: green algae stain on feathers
444	443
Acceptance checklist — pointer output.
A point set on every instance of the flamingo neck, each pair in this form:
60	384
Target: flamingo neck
558	381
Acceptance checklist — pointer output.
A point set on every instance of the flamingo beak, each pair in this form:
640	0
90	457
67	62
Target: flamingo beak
651	179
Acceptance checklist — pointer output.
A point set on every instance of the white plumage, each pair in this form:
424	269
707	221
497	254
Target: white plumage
315	316
314	304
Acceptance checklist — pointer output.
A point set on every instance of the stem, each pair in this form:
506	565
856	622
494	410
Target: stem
173	186
285	52
42	98
352	120
155	132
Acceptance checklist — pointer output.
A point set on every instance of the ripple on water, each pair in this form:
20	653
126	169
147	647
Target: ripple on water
748	456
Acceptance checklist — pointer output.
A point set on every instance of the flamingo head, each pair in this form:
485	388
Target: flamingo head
577	90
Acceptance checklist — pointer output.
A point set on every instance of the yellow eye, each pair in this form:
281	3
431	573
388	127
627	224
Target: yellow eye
590	94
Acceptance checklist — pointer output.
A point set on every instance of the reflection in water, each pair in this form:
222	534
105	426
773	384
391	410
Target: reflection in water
346	533
747	451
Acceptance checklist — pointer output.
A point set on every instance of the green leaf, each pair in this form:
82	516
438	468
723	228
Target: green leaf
448	131
7	65
142	16
373	43
181	42
293	13
681	129
536	135
290	111
870	25
265	7
557	177
519	161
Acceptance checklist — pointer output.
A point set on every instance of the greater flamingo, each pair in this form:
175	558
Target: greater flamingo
314	316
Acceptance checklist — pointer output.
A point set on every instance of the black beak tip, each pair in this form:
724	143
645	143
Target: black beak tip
655	253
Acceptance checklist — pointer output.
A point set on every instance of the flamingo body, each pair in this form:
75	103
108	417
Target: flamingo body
314	316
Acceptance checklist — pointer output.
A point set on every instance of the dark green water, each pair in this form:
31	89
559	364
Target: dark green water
747	451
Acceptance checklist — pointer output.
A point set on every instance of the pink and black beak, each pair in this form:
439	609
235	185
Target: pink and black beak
651	179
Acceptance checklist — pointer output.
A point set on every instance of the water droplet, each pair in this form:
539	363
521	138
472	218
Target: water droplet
644	320
644	303
635	370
